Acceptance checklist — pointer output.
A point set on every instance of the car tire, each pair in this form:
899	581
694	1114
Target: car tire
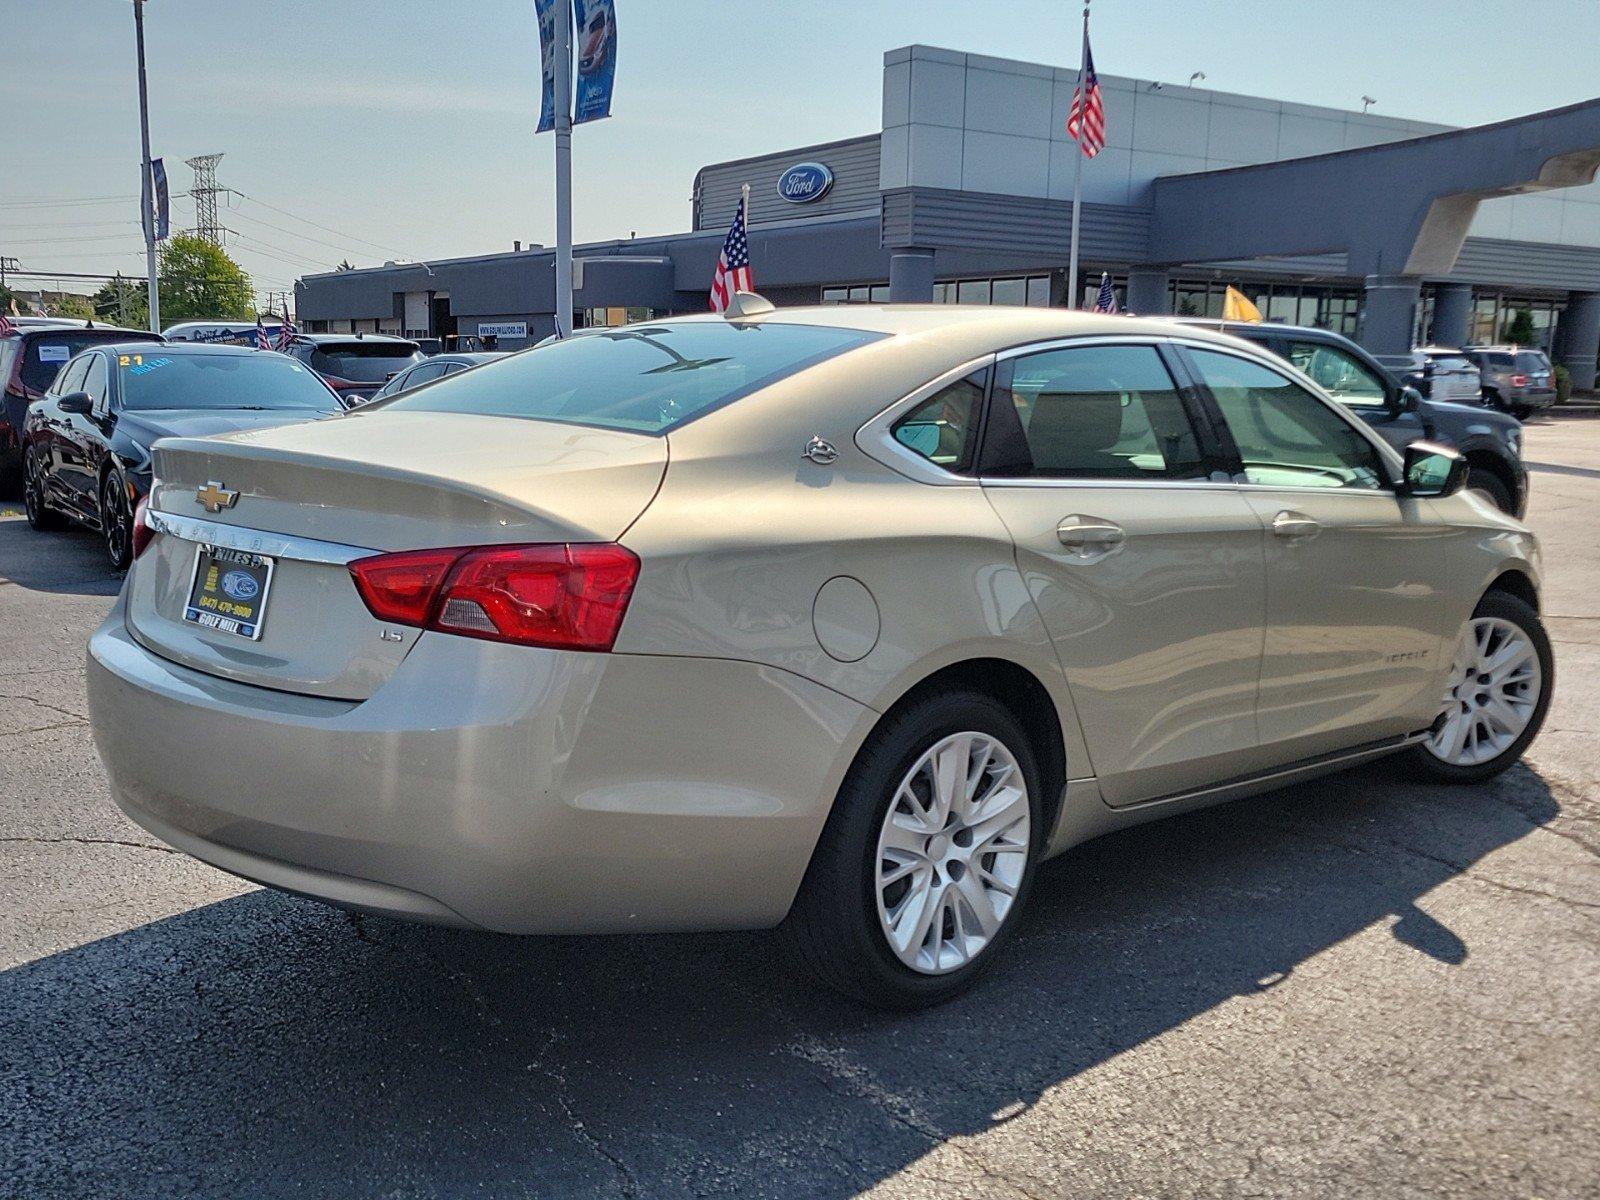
1491	489
1488	745
1491	399
40	515
840	924
1521	411
116	520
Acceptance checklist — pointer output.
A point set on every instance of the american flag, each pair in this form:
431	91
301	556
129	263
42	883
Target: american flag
1106	301
286	332
1087	120
733	265
261	335
6	327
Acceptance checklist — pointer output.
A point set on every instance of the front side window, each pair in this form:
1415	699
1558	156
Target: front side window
941	428
647	378
95	382
1339	373
1091	412
1286	436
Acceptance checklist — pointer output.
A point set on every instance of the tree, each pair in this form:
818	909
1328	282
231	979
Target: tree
122	302
1519	330
6	297
345	265
71	305
198	280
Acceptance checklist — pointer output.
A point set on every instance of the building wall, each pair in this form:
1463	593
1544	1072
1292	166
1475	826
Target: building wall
975	123
853	161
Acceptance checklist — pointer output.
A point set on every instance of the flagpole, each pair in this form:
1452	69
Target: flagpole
147	215
563	119
1074	293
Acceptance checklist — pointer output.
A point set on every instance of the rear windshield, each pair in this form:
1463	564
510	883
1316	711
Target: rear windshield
1532	361
48	353
1450	362
363	362
649	378
252	381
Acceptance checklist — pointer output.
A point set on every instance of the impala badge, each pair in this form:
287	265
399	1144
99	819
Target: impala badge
214	497
820	451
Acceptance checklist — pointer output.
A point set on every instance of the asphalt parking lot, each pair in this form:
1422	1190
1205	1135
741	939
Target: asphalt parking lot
1353	987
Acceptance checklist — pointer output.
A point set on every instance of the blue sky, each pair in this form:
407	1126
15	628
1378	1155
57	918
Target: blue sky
407	124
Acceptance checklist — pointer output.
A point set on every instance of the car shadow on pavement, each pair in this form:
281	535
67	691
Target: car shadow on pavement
268	1046
72	562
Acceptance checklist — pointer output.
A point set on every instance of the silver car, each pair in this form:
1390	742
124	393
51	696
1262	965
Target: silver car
838	620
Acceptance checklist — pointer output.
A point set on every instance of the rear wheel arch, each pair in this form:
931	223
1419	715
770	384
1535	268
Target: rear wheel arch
1025	697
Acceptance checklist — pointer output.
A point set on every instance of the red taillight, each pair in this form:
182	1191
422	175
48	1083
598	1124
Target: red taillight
569	596
142	533
1519	381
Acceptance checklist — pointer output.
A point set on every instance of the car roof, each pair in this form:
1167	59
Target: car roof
58	329
1310	331
470	357
322	339
185	349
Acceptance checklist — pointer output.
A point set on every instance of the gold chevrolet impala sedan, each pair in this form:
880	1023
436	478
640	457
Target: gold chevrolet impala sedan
838	620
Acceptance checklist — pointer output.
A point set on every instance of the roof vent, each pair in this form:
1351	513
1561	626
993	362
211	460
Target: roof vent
747	304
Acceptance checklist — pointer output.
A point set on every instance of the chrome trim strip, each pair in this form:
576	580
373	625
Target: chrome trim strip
1322	762
254	541
876	438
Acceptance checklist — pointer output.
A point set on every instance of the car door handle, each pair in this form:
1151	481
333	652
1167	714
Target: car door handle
1087	534
1290	524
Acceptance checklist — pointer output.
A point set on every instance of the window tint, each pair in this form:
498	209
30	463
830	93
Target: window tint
650	378
45	354
220	380
941	428
1093	412
1286	436
362	362
70	379
95	382
1343	376
1532	361
418	376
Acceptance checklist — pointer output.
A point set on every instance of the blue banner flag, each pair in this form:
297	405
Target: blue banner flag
546	11
597	58
163	203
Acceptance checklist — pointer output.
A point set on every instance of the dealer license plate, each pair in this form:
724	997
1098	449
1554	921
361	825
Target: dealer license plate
229	591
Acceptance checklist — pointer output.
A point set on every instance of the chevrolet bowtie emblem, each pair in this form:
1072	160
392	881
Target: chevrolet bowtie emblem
214	497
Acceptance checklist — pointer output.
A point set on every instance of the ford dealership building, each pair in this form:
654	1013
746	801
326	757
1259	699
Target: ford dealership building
1390	230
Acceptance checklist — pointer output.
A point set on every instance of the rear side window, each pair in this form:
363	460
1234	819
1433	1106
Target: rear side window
1286	436
942	428
647	378
1090	412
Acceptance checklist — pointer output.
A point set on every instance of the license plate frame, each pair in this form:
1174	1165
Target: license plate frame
210	604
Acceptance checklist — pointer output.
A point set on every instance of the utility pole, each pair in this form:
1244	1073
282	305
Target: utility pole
563	116
147	216
205	192
7	264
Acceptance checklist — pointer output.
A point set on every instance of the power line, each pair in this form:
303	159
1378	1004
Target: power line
316	225
292	233
257	246
67	203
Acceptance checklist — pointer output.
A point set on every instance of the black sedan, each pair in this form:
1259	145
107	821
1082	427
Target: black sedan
86	442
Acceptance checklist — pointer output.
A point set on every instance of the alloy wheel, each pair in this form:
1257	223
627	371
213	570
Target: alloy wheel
952	852
116	521
32	488
1493	692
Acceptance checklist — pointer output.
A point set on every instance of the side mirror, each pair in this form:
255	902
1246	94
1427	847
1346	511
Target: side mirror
1410	399
1433	470
78	403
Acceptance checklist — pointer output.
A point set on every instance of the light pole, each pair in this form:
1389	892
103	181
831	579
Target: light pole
146	209
563	118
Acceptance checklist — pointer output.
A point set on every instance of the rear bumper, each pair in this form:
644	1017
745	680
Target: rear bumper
502	787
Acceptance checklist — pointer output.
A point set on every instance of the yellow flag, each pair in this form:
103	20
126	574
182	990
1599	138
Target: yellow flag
1237	307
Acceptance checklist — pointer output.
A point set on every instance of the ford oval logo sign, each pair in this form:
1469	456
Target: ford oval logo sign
805	182
241	585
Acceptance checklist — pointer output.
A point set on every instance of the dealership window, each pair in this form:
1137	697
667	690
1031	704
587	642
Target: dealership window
607	318
1031	290
860	293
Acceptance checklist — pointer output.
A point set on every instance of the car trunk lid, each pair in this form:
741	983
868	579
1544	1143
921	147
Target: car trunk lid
312	498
